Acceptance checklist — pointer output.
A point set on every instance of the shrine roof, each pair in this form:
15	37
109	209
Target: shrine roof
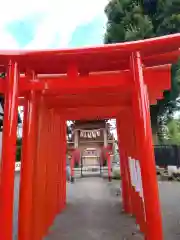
154	51
89	124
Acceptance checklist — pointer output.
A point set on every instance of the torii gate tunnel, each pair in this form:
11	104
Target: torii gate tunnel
113	81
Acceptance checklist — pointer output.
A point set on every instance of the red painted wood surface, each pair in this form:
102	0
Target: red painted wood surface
86	83
109	57
145	152
29	158
8	152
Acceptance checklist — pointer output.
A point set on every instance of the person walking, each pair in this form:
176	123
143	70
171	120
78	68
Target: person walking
68	169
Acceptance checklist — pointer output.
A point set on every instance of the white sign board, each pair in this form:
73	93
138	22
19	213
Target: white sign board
17	166
135	174
90	133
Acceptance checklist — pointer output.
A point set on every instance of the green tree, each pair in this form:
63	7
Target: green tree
131	20
173	132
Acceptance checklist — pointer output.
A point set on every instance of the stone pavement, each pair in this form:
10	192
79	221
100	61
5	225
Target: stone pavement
93	212
16	200
170	205
94	206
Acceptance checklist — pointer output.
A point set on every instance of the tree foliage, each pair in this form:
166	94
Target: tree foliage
131	20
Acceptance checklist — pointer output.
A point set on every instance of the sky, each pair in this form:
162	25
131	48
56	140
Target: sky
49	24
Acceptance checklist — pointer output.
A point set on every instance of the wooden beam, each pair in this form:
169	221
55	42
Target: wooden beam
89	113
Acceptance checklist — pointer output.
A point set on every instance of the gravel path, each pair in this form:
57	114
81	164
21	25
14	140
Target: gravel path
93	212
16	200
170	205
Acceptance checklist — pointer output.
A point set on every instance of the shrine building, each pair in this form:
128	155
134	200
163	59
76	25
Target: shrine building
89	138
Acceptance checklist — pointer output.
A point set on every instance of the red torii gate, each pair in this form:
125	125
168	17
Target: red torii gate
113	81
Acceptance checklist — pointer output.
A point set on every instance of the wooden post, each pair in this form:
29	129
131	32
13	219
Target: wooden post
63	122
124	166
145	151
27	167
39	183
9	152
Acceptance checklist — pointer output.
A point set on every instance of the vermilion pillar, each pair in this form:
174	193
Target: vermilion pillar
56	147
61	167
124	166
47	168
59	177
132	162
27	167
63	153
39	179
55	165
145	151
8	152
48	180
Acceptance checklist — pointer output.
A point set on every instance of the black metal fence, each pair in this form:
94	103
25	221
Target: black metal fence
167	155
164	155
